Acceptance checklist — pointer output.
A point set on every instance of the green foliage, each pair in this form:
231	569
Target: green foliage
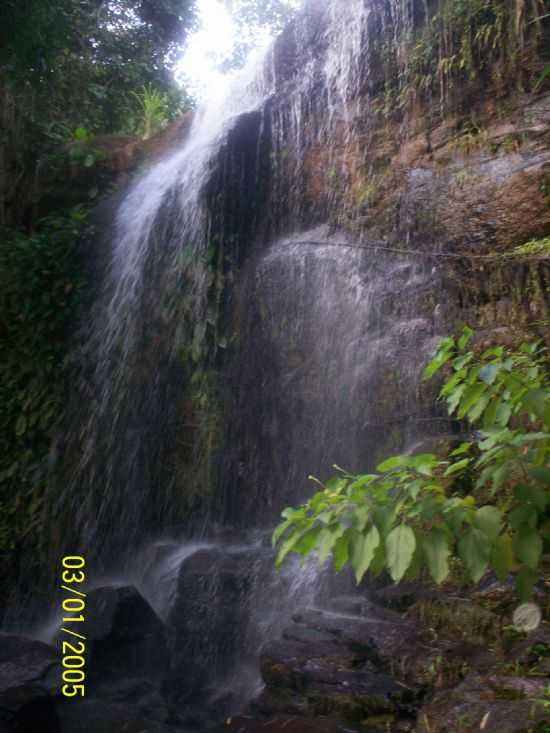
83	59
462	41
153	113
408	513
73	65
38	287
534	247
200	344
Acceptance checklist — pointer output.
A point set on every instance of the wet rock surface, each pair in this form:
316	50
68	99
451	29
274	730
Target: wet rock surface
493	704
126	638
338	665
207	617
29	675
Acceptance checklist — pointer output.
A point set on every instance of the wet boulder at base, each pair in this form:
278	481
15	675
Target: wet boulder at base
207	617
30	674
126	638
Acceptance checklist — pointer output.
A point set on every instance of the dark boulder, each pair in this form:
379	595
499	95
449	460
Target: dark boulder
126	638
30	674
208	617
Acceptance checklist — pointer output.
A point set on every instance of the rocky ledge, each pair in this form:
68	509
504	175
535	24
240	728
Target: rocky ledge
445	663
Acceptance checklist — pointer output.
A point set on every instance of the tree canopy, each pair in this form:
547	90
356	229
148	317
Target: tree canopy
82	57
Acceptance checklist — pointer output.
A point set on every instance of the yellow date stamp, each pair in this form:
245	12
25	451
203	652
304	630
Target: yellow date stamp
73	647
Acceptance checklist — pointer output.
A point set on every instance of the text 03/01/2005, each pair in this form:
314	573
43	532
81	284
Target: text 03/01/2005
72	639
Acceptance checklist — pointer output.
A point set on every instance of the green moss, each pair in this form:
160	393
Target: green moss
539	247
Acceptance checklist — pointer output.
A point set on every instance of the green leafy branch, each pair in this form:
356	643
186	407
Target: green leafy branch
408	514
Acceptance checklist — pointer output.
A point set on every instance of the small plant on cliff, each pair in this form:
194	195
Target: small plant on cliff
153	113
411	513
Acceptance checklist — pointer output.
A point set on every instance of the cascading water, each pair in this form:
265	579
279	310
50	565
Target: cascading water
145	300
326	342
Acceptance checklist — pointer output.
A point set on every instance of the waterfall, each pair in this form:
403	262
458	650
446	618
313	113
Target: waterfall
154	286
153	296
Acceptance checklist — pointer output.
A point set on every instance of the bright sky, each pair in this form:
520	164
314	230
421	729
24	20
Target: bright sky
209	47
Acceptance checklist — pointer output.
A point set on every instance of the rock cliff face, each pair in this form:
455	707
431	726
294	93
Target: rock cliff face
429	200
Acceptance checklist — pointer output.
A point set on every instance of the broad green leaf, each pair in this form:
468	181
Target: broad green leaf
379	560
442	356
488	373
534	400
503	413
499	476
437	551
383	517
454	397
479	407
290	513
89	160
489	520
525	581
400	545
286	547
424	463
361	482
523	516
462	448
456	467
461	361
327	540
279	531
528	547
502	556
467	334
364	547
534	494
416	563
474	549
490	414
336	484
340	552
522	439
470	397
361	517
450	385
308	541
393	462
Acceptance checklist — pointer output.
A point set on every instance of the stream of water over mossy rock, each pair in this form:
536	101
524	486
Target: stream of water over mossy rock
267	293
